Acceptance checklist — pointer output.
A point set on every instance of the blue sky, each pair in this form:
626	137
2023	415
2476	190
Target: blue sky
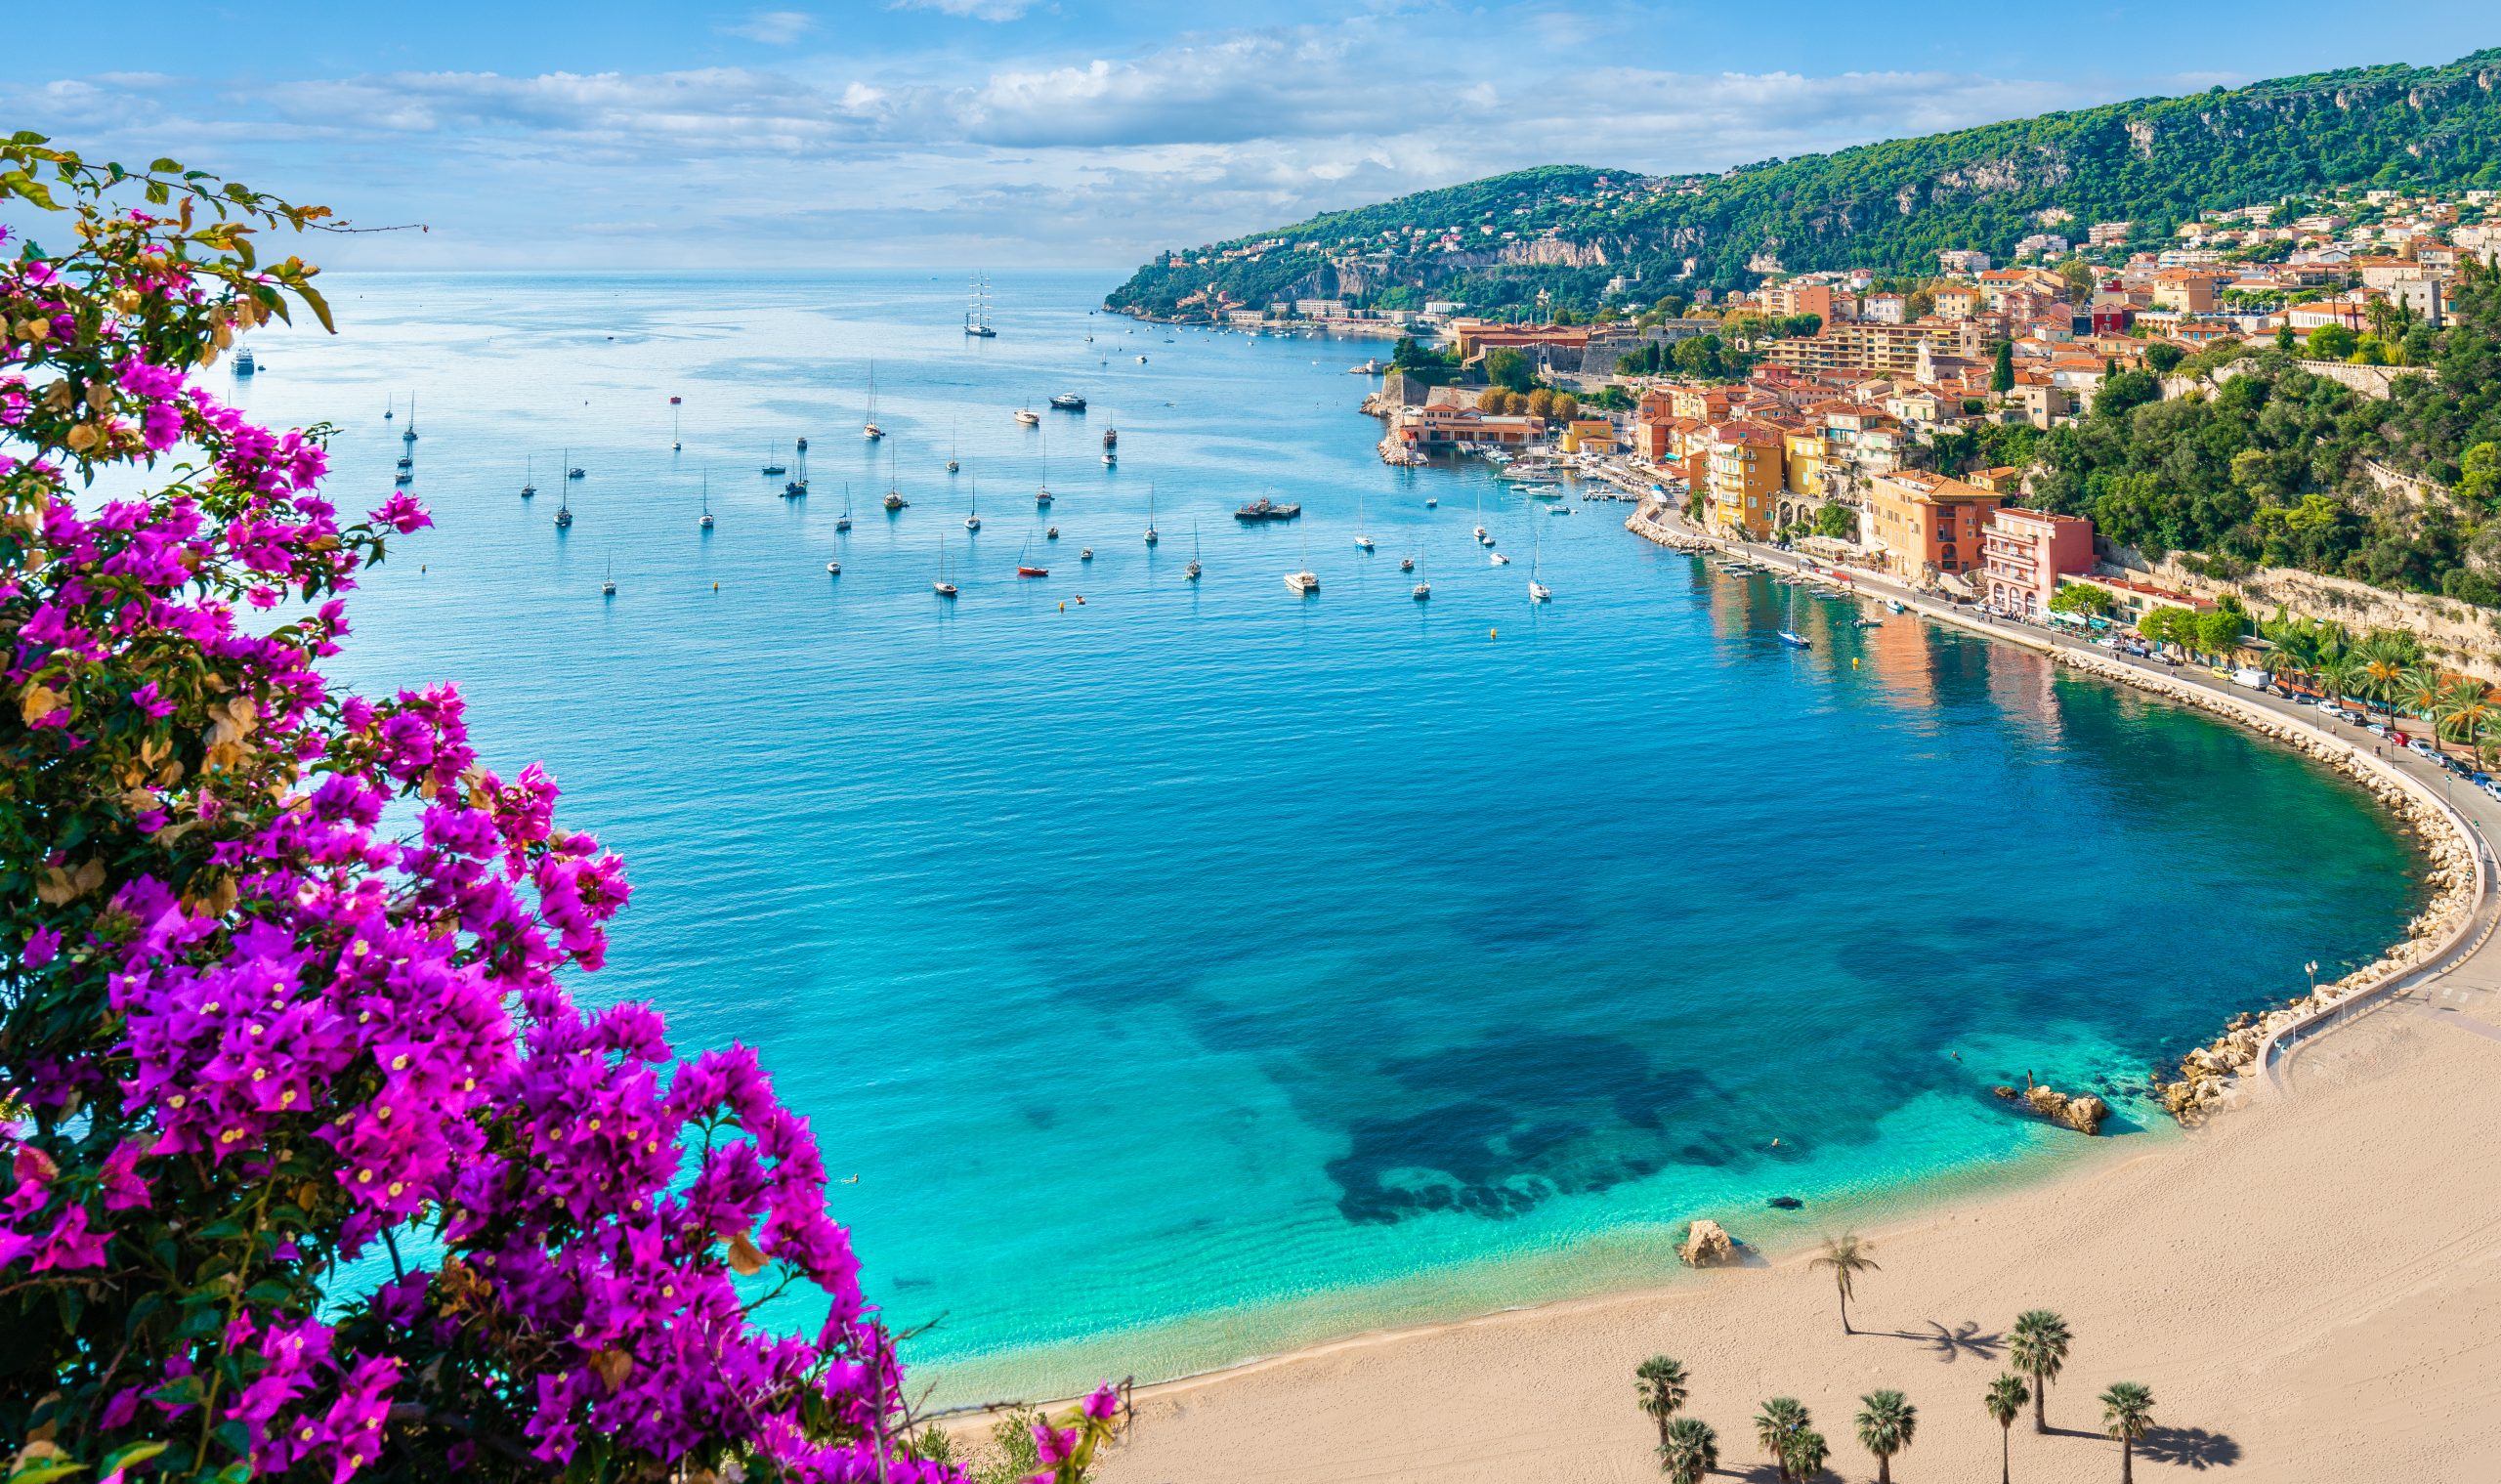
631	133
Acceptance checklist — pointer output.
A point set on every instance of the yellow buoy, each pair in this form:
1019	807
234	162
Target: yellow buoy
1063	607
1853	661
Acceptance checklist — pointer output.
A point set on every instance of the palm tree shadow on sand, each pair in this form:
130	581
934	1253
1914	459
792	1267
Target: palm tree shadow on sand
2188	1448
1950	1345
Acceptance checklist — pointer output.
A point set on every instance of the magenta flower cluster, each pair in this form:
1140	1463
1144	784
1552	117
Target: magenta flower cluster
288	989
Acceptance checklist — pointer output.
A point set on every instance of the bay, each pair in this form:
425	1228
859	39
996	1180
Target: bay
1199	969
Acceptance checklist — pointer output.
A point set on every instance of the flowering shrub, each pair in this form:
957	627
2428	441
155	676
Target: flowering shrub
250	1033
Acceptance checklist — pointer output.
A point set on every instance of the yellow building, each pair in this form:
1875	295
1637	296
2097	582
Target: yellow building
1594	435
1744	478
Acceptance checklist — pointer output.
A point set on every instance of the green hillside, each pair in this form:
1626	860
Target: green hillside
1888	206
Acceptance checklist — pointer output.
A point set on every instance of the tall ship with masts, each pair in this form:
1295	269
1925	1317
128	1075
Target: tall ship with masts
977	311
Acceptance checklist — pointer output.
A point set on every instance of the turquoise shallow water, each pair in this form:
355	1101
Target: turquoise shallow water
1201	969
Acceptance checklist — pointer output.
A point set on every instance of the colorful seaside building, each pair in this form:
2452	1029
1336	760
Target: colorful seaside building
1926	524
1743	475
2024	552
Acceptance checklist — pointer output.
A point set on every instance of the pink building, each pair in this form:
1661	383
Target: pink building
2023	554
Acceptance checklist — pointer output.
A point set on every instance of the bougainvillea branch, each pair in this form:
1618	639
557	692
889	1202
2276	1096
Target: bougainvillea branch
282	983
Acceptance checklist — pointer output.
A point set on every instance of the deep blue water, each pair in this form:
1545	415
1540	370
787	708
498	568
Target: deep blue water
1201	969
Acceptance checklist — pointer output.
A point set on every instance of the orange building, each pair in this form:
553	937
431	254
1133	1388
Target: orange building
1743	479
1926	523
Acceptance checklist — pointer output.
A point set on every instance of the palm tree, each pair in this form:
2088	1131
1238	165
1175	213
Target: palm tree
1660	1384
2039	1349
1848	1255
1806	1455
2339	675
2005	1399
1690	1451
2127	1414
1777	1427
2469	711
2386	657
1886	1420
2418	690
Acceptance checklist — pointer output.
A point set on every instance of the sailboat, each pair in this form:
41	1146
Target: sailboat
1361	539
942	588
1023	567
1042	492
608	590
409	435
1192	570
1424	589
972	521
528	477
952	465
773	470
390	410
564	513
894	494
869	429
798	484
1538	592
977	311
676	443
1150	536
1029	417
1481	538
842	522
1305	582
706	522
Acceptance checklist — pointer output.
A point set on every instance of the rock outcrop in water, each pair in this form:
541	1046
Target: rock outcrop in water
1708	1244
2083	1114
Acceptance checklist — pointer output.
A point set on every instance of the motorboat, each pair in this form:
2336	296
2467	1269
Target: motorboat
1501	560
1069	402
1305	582
833	569
1793	641
1266	509
1406	563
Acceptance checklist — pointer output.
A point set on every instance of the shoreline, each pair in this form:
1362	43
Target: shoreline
2289	1283
2455	868
2214	1076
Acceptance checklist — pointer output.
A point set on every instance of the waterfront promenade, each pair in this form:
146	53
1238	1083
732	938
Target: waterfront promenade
2307	1283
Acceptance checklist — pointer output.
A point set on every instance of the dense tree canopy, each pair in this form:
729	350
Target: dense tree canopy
1889	206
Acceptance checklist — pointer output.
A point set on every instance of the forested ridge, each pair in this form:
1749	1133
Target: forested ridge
1888	206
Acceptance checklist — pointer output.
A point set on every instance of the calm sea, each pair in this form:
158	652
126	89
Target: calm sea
1200	969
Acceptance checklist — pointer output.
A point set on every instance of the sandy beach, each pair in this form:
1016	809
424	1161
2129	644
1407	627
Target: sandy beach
2310	1283
2312	1287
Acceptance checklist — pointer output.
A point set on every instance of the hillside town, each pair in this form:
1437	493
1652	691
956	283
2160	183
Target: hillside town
1847	409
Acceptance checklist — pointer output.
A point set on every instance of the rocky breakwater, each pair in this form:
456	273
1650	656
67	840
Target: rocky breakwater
2207	1073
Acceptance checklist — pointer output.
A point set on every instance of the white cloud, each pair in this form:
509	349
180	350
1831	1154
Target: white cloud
773	27
970	10
1093	158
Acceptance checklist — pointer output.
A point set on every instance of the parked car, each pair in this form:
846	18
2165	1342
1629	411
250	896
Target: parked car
2376	728
2421	746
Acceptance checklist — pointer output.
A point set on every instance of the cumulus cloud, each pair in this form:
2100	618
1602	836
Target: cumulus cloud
773	27
1086	158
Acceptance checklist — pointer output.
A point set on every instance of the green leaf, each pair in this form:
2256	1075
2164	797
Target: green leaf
320	306
167	167
122	1458
46	1470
